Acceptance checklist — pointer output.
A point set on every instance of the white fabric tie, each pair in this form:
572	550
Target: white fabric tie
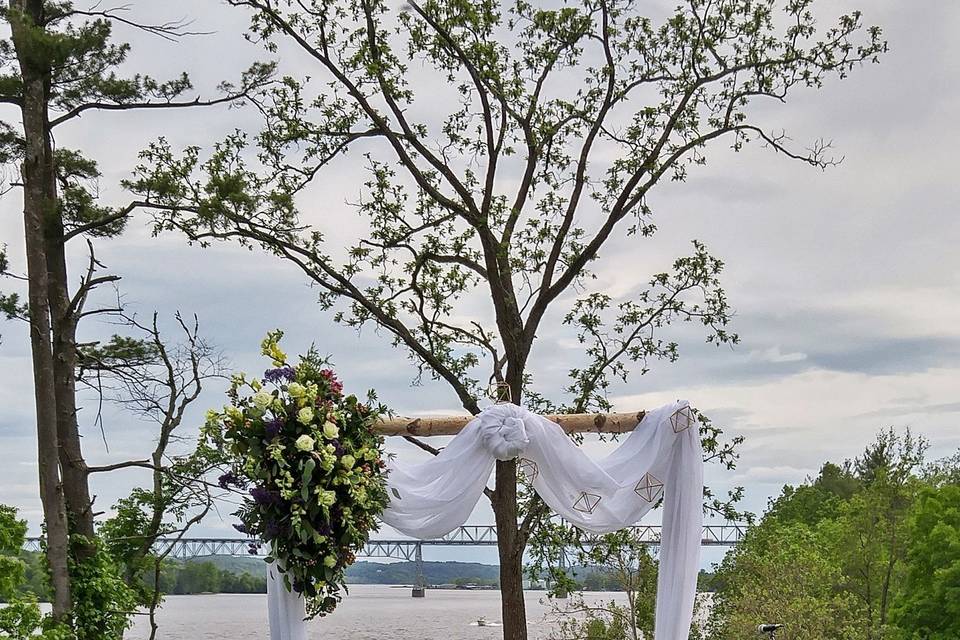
503	432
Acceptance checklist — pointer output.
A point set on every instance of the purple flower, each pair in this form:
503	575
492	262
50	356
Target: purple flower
253	548
272	530
230	479
265	497
273	427
242	528
287	373
335	515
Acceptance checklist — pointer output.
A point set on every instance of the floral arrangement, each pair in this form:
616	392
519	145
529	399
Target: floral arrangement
313	465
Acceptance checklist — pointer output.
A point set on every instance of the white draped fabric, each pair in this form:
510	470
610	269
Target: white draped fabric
285	610
661	458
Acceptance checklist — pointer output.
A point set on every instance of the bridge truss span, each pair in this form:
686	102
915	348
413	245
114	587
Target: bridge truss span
404	548
411	550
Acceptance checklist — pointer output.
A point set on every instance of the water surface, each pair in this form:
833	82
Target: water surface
370	612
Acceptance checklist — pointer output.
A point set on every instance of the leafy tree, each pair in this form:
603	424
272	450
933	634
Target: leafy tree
815	501
623	562
554	127
10	305
158	381
12	535
891	457
783	574
198	577
928	604
943	471
870	532
856	515
627	563
242	582
59	63
35	582
20	617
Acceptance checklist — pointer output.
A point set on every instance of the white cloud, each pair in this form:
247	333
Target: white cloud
774	354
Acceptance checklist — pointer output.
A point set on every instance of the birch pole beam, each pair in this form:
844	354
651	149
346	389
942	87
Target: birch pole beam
452	425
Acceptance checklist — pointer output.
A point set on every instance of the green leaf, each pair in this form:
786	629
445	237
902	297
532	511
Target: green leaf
306	477
308	468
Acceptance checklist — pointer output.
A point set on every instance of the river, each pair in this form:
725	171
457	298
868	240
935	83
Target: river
370	612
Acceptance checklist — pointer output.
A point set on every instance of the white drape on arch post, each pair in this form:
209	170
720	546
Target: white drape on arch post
661	458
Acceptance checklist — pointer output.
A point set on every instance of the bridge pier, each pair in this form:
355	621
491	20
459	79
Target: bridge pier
419	586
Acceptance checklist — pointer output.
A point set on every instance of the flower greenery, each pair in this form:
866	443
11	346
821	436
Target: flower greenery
313	465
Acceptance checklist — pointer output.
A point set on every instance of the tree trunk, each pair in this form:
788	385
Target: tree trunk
510	546
51	489
35	209
510	543
72	464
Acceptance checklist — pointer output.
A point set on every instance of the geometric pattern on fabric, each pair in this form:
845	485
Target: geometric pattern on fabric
649	488
587	502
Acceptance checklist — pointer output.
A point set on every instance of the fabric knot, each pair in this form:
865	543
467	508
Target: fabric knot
502	431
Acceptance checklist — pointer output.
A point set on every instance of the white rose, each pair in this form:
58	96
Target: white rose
262	399
305	443
330	430
295	389
305	415
348	461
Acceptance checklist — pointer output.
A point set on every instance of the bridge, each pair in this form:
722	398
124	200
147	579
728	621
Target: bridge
411	550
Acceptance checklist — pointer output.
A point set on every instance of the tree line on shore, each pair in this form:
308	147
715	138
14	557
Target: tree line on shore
222	574
176	578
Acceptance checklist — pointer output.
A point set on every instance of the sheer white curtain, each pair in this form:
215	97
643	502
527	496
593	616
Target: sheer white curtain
661	458
285	610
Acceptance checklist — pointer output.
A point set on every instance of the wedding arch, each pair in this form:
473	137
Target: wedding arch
659	461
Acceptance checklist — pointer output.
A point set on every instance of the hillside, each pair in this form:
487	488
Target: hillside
434	573
379	572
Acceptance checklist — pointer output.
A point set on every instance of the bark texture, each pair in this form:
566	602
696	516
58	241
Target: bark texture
510	545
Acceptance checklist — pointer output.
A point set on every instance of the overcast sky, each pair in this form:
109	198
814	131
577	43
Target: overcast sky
846	283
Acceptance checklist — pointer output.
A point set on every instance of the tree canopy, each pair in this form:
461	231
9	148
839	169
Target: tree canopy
504	145
866	550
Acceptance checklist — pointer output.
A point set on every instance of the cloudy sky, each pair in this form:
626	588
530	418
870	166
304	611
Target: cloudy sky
846	283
